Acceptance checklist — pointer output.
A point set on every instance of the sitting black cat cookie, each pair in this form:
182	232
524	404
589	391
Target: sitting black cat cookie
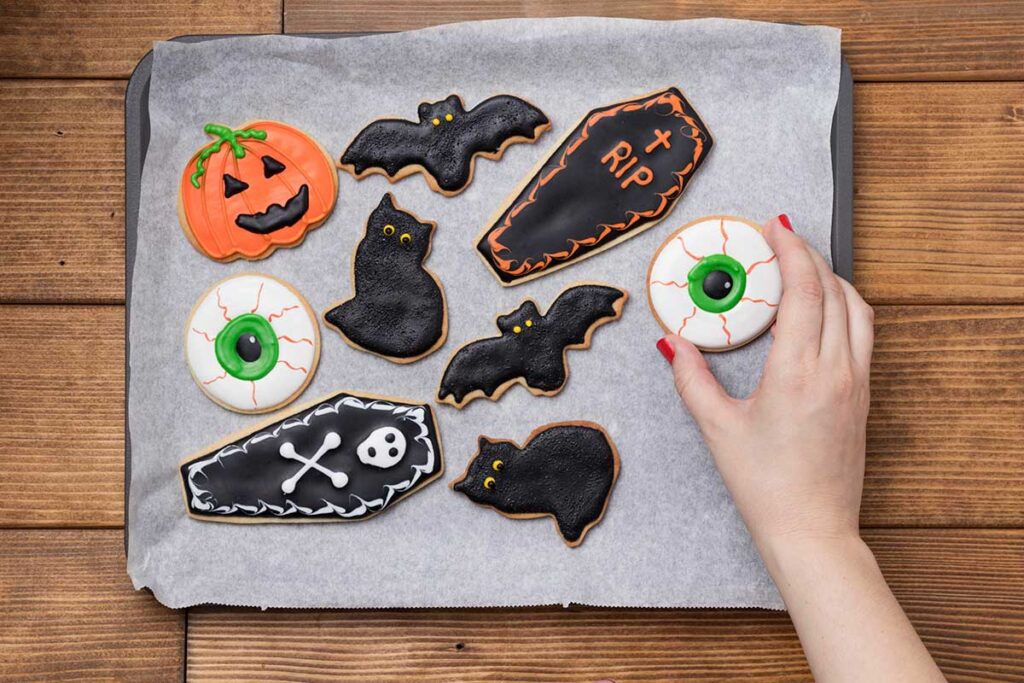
398	311
532	347
565	471
444	143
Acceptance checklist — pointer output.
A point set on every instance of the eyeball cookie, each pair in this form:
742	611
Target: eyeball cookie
252	343
715	282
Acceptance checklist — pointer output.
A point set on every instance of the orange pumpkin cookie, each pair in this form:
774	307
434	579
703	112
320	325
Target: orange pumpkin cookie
255	189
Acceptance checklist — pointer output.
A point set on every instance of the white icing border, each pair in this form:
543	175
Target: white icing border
407	413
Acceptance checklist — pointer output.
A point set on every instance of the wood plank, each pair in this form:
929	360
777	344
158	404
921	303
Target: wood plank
886	41
107	38
939	207
945	435
62	210
964	591
68	612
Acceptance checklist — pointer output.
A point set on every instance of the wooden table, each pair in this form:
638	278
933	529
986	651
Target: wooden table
939	253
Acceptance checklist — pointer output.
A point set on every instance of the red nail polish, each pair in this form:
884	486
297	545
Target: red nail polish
784	220
666	349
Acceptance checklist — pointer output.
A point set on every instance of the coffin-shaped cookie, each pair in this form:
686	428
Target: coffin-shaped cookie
620	171
344	458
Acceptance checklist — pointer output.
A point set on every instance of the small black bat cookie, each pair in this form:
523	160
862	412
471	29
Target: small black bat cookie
344	458
532	347
398	310
445	141
565	471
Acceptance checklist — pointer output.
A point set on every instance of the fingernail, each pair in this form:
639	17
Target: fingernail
666	349
784	220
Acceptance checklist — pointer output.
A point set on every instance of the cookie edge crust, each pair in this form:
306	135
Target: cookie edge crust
431	181
657	252
619	304
313	366
325	519
537	515
352	281
532	173
271	248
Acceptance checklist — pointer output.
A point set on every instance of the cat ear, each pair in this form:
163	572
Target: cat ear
387	202
424	111
482	443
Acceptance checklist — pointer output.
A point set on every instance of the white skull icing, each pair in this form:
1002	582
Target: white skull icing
384	447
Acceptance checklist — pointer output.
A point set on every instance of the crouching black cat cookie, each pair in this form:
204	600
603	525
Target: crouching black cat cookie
565	471
398	310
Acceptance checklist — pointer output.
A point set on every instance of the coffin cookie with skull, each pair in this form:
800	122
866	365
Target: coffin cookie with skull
345	458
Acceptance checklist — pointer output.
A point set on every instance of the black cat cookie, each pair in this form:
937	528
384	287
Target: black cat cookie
444	143
532	347
565	471
620	171
346	457
398	310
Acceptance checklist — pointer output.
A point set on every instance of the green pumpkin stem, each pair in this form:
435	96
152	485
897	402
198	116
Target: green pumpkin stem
224	135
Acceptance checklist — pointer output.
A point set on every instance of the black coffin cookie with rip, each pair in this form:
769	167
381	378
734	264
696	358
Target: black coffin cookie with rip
345	458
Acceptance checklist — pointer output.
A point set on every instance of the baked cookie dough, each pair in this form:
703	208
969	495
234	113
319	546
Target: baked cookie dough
715	282
252	343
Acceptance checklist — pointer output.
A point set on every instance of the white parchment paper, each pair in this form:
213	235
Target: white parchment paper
671	536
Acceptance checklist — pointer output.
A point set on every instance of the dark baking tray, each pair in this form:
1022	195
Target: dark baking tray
136	131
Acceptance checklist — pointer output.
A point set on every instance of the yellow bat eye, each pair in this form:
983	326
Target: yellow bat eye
529	323
448	117
389	230
406	238
489	483
498	465
436	122
517	329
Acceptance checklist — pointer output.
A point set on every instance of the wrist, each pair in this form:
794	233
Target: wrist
791	558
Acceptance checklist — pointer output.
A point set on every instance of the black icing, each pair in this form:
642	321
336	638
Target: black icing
233	186
398	310
717	284
445	150
271	166
247	483
583	206
276	216
248	348
566	471
536	352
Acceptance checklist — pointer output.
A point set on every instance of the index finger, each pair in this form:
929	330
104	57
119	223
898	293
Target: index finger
798	324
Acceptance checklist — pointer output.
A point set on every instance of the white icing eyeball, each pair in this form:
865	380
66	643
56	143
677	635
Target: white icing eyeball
252	343
716	283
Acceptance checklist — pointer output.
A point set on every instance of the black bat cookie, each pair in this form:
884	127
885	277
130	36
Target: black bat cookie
565	471
445	141
532	347
398	310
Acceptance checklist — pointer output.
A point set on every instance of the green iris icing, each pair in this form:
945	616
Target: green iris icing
224	135
707	265
226	345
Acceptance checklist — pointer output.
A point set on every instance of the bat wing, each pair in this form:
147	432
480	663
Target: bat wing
580	309
388	144
482	365
501	117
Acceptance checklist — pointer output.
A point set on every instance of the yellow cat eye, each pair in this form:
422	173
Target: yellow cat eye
498	465
489	483
448	117
436	122
529	323
389	230
406	238
517	329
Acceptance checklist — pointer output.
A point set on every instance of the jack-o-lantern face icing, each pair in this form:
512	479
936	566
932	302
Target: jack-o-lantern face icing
255	189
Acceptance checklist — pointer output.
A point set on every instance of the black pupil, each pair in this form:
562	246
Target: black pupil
717	284
248	348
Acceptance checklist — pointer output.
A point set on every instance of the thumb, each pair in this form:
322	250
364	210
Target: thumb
703	395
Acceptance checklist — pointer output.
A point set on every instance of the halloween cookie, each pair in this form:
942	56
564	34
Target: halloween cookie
619	172
255	189
444	143
565	471
252	343
398	310
345	457
715	282
531	349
